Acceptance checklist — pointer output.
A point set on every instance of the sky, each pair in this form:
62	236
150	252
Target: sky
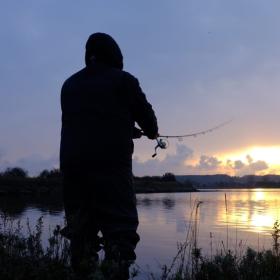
200	63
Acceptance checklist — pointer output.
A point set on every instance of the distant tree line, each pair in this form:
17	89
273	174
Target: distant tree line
167	177
20	173
17	172
17	181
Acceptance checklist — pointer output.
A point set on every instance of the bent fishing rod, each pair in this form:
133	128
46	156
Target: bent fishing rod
162	140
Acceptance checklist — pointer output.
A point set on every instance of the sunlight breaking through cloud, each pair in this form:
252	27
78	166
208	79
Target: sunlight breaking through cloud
181	162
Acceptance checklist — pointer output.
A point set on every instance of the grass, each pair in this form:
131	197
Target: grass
23	256
191	264
252	265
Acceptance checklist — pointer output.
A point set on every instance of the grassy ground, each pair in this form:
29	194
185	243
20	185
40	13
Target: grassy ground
23	256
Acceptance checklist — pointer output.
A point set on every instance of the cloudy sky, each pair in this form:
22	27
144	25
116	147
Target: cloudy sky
199	62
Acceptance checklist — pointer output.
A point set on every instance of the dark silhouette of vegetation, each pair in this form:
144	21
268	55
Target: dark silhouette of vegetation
15	172
148	179
23	256
191	264
16	181
168	177
50	174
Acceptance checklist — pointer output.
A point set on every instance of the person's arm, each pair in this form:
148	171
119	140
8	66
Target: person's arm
137	133
142	110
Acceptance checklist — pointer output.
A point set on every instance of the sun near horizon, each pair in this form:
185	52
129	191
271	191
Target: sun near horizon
257	153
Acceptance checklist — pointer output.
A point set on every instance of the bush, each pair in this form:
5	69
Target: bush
25	258
50	174
168	177
15	172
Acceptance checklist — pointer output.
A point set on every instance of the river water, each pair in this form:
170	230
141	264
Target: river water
223	219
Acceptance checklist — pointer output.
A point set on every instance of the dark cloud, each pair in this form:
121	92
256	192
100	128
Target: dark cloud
178	163
208	163
171	163
238	164
251	168
249	159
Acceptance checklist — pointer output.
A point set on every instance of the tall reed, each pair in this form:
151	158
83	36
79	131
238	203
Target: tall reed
226	207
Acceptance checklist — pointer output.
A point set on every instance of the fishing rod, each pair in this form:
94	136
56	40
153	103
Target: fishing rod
162	140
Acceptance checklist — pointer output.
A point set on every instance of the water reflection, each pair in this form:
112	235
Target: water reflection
166	218
248	220
254	210
15	206
249	210
166	202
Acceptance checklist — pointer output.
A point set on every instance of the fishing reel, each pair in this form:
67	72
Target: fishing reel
162	144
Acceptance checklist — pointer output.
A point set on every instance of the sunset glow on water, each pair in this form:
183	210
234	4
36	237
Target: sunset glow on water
165	220
252	211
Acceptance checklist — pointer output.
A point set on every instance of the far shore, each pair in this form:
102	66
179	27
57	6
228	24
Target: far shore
53	186
15	181
39	186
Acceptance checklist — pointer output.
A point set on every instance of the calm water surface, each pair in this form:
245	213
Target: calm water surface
245	218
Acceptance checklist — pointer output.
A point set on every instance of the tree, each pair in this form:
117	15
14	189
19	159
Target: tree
15	172
44	174
47	174
168	177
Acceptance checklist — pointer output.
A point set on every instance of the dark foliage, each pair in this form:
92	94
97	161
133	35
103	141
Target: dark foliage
15	172
168	177
50	174
23	257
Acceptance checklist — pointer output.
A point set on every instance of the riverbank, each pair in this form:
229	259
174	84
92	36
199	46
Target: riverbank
53	186
23	256
223	181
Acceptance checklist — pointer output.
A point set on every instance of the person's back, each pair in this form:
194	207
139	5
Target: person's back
100	105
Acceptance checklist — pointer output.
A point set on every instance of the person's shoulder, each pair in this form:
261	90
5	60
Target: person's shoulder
73	78
126	78
128	75
129	78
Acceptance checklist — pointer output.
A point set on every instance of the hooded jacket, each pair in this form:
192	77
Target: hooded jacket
100	105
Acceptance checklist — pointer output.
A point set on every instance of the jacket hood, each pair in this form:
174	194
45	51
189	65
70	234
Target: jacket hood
101	47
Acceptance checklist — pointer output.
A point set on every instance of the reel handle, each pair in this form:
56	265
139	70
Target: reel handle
162	144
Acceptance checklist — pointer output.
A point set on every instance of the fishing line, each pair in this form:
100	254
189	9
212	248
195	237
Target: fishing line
162	140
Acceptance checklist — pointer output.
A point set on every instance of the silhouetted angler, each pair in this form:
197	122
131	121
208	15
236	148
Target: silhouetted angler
100	105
